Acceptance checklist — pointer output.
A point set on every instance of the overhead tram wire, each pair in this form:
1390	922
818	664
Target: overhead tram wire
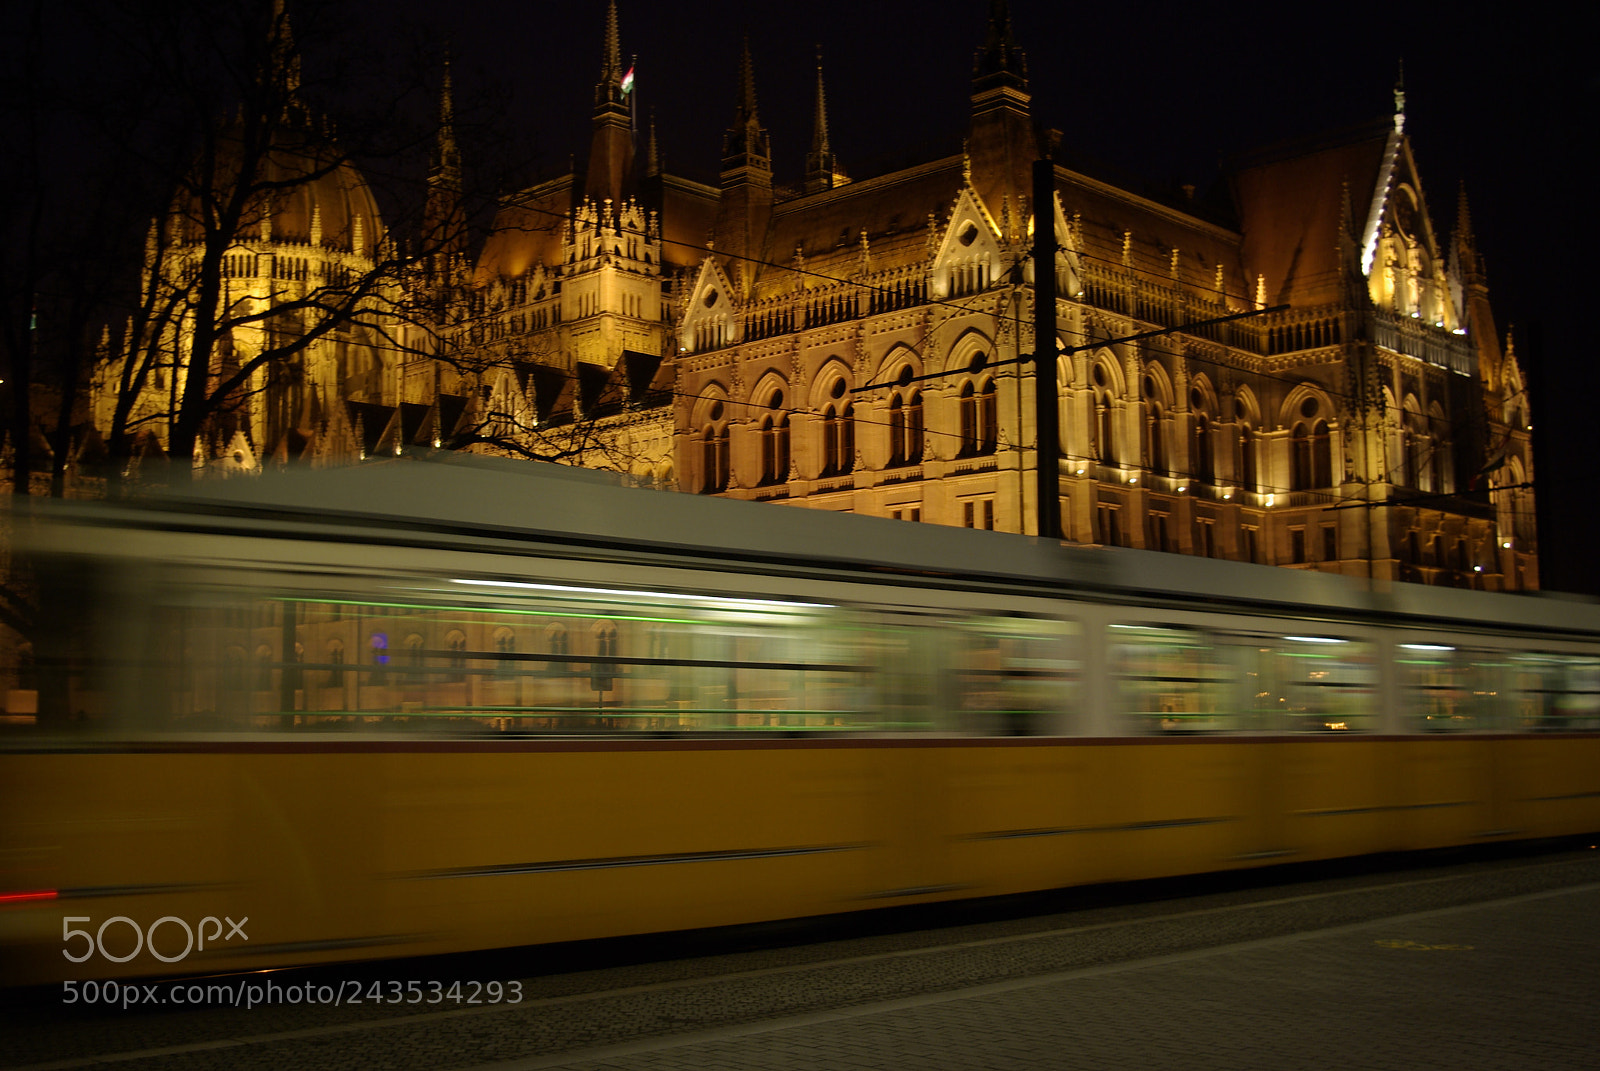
1068	350
1333	499
966	306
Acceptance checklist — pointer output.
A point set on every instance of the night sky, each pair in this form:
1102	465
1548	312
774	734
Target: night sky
1501	97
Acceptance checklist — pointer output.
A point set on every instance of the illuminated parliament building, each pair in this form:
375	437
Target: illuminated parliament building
851	343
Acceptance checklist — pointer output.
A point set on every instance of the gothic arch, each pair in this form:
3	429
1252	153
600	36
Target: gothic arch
835	368
770	382
1156	385
1105	372
1295	408
966	348
900	356
711	396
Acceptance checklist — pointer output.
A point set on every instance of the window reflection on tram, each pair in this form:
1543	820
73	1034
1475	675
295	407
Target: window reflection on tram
1182	680
535	662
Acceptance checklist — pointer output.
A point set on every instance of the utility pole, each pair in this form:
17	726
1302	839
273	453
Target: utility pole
1047	416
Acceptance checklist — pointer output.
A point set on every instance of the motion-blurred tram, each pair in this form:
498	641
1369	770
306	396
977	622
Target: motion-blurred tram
413	707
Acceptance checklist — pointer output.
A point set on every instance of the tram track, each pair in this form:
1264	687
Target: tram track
590	1010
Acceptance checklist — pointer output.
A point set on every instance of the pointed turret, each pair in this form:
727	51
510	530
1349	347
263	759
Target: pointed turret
1467	274
999	62
611	148
1464	245
283	66
746	204
1001	144
744	145
652	159
822	170
445	172
442	216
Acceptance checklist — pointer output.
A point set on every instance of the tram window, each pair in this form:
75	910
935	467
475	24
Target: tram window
1446	689
1172	680
1554	691
612	661
1014	676
1313	683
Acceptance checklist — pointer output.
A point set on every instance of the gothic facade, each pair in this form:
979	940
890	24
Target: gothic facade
854	345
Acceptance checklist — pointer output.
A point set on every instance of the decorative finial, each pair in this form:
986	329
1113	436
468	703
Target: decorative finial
1400	98
652	158
821	167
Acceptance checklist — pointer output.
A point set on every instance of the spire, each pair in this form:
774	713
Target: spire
745	208
1400	99
745	143
283	63
821	167
609	89
1465	240
611	148
652	159
442	211
999	62
747	86
446	170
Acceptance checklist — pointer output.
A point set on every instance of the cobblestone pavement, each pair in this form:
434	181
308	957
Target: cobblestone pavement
1477	966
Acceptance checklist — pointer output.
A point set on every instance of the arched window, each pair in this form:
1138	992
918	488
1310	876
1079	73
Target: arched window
1414	448
263	669
1300	459
980	431
1247	457
905	423
1439	455
897	430
1103	446
988	418
775	442
1155	439
714	453
1205	464
838	433
414	651
1321	455
969	420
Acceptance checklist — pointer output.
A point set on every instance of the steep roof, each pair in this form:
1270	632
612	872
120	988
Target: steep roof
1291	201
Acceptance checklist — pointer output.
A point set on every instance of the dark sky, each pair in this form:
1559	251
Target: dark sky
1500	96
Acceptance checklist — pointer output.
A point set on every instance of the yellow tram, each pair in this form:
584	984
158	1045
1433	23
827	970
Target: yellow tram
426	707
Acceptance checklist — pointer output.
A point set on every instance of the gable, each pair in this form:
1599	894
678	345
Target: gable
969	257
710	319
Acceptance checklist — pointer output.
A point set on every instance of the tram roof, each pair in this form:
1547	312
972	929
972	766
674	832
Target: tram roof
456	499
